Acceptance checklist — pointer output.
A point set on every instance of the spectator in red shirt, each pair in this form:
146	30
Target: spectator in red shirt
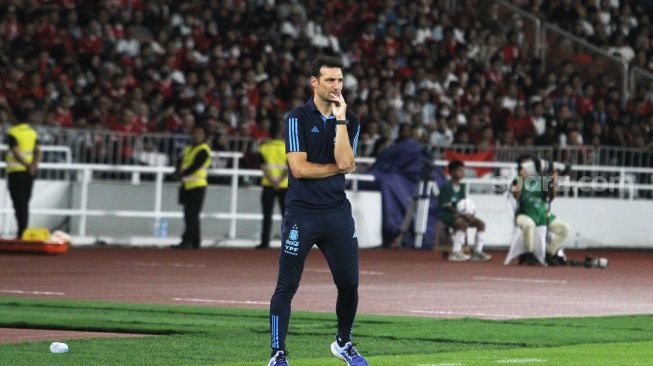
521	124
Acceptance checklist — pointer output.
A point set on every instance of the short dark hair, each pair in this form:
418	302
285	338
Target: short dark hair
455	164
324	61
274	129
200	126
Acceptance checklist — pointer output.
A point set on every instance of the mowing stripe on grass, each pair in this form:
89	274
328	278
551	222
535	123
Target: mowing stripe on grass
521	360
458	313
234	302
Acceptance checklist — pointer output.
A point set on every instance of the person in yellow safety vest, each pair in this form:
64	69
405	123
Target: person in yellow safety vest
192	172
22	161
274	164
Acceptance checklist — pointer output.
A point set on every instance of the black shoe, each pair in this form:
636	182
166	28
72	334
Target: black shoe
528	259
555	260
182	245
262	246
522	259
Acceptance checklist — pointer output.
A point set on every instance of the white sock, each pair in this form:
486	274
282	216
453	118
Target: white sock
480	241
458	241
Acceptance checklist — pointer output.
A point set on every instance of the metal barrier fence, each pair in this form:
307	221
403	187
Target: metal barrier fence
616	183
51	154
120	148
163	150
583	180
84	173
583	155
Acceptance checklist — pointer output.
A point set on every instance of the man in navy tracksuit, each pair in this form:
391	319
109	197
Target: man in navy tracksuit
321	139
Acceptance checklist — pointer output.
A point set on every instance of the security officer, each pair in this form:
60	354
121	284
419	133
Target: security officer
22	163
191	170
274	164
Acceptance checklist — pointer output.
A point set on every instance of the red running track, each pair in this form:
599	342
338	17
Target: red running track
391	282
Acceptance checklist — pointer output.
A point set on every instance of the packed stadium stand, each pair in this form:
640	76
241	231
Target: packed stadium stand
447	75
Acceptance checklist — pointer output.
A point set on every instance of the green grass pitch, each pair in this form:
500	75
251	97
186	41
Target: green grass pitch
194	335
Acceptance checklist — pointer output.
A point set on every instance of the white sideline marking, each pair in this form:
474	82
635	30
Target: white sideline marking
441	364
322	270
246	302
49	293
156	264
520	360
441	312
514	279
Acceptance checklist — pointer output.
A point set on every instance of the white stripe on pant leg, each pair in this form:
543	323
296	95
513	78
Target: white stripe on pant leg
276	331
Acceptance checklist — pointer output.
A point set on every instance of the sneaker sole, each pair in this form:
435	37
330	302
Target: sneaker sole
474	259
336	353
458	259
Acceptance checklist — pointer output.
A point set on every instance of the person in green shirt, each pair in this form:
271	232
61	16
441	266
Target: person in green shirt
532	190
450	194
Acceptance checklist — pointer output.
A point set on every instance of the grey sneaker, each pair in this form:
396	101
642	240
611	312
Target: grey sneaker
459	257
481	257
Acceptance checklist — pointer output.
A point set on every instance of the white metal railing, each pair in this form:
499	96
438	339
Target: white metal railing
622	182
85	177
64	150
122	148
50	154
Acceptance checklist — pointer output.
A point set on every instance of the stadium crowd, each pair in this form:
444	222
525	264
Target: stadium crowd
412	70
621	27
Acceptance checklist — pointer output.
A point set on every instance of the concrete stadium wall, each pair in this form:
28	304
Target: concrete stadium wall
595	222
51	194
124	196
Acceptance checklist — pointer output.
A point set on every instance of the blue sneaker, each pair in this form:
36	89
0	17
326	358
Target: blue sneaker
279	359
348	354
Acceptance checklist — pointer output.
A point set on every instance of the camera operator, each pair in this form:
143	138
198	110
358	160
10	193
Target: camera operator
534	189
